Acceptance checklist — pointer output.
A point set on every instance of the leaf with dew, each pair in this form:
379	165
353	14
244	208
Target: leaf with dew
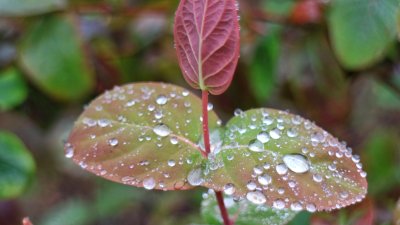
142	134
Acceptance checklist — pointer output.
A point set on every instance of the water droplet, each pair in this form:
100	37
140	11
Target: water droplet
162	130
256	146
238	112
279	204
113	142
297	163
275	133
281	169
149	183
251	186
69	152
296	206
195	177
263	137
174	140
311	207
264	179
161	100
229	189
292	132
171	163
185	93
210	106
344	194
103	122
256	197
317	178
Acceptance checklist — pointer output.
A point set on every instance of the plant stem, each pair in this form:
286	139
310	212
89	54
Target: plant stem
206	134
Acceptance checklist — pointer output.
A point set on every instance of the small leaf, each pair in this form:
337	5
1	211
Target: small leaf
60	70
244	212
144	134
29	7
16	166
13	90
282	160
362	30
207	42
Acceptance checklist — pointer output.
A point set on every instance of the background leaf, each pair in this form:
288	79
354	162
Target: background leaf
51	53
207	43
362	31
243	211
29	7
16	166
144	134
13	90
282	160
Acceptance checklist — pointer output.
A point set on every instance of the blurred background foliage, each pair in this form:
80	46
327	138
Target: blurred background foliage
336	62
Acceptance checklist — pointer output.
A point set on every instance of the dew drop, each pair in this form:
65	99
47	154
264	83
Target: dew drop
256	146
264	179
210	106
69	152
251	186
113	142
292	132
296	206
275	133
161	100
256	197
263	137
171	163
103	122
281	169
229	189
317	178
162	130
279	204
311	207
195	177
149	183
174	140
297	163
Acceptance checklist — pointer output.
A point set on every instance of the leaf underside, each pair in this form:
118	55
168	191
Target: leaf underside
149	135
207	42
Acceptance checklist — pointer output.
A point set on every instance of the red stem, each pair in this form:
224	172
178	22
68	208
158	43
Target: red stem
206	134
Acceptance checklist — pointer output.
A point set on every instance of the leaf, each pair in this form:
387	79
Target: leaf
143	134
361	31
13	90
52	56
243	211
16	166
207	43
29	7
299	166
264	65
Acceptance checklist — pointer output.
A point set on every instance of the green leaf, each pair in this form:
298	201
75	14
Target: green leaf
362	30
282	160
13	90
243	211
264	65
29	7
16	166
52	56
143	134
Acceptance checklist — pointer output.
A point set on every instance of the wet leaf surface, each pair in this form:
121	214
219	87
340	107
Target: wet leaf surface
244	212
144	134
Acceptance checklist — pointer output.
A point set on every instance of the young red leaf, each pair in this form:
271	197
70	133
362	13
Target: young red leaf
207	42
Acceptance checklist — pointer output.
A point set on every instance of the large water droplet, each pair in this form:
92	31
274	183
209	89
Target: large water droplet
311	207
69	152
195	177
317	178
275	133
162	130
103	122
263	137
281	169
171	163
297	163
296	206
229	189
256	146
161	100
264	179
251	186
279	204
149	183
256	197
113	142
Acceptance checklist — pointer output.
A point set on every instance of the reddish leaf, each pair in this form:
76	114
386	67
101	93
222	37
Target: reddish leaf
207	42
26	221
307	11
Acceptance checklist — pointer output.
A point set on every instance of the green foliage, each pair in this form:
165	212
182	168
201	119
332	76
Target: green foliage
244	212
362	31
52	56
13	90
16	166
29	7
